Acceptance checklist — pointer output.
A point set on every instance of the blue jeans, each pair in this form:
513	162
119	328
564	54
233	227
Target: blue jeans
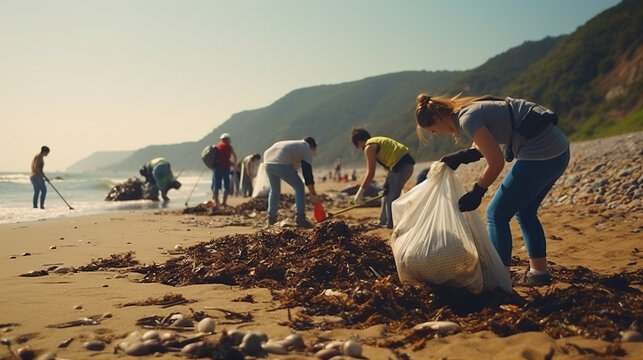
277	172
395	181
39	188
218	176
521	193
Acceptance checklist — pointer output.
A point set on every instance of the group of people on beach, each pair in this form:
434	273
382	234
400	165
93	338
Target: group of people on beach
500	130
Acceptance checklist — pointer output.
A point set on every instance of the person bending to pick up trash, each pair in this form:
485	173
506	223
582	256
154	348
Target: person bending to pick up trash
524	129
282	160
391	154
158	177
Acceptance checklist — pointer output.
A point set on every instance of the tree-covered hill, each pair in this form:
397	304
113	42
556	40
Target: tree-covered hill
592	78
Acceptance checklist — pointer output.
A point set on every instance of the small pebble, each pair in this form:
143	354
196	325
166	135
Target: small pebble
52	247
183	322
326	354
12	257
78	307
152	334
167	336
296	341
94	345
192	349
47	356
631	336
439	326
26	254
236	336
274	347
206	325
26	353
105	285
137	349
251	344
107	316
352	348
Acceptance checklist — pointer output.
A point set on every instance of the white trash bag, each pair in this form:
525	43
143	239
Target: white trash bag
260	184
434	242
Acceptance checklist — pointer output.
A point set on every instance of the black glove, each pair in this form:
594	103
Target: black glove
454	160
471	200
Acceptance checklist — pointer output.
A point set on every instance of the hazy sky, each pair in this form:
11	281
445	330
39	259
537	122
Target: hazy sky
82	76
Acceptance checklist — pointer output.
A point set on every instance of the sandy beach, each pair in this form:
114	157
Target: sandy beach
597	227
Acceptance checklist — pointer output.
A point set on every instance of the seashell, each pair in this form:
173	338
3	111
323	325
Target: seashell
137	349
26	353
94	345
251	344
274	347
47	356
152	334
52	247
352	348
78	307
26	254
295	340
236	335
326	354
631	336
178	247
183	322
439	326
106	316
206	325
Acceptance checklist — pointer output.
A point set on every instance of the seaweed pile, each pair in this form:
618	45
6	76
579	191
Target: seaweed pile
338	270
122	260
132	189
286	201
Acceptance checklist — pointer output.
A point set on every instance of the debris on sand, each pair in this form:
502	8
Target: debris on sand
337	270
167	300
121	260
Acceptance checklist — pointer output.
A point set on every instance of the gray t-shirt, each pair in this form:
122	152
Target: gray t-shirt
289	152
494	115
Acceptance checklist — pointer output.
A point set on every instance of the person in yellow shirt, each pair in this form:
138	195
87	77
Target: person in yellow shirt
392	155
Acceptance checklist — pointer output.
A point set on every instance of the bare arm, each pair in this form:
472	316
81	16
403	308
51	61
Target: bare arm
370	155
487	145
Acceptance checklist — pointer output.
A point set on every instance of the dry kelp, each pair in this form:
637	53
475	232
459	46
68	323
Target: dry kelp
166	300
336	270
121	260
260	204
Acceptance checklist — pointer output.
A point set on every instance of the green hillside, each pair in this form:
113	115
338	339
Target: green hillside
591	78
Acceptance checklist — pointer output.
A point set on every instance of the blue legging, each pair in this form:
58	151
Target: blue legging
521	193
39	188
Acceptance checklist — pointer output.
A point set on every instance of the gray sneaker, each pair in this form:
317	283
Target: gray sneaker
530	279
301	221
